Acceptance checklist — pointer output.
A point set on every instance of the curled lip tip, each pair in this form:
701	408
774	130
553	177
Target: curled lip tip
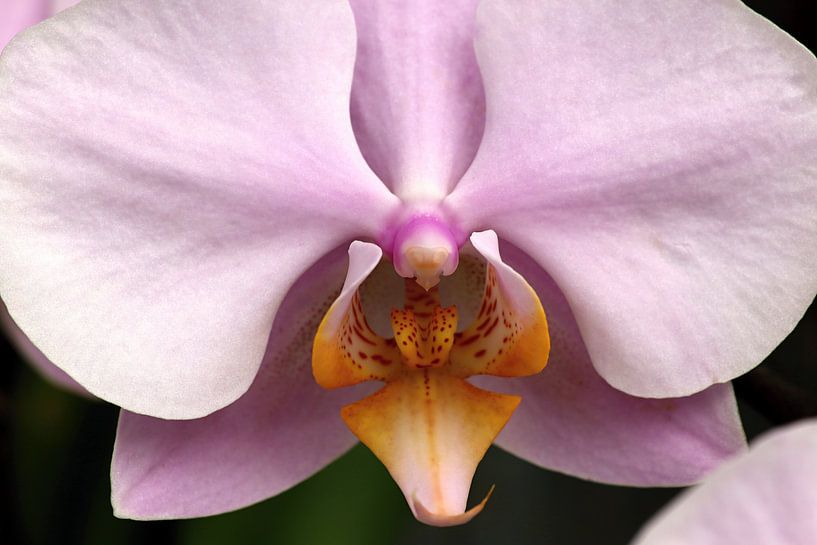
423	514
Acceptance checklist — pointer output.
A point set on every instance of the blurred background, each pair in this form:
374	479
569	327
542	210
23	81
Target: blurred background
55	453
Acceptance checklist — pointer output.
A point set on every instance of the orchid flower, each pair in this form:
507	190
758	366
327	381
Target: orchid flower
767	496
15	15
626	188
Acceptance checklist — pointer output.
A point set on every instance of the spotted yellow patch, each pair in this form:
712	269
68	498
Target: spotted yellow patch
428	425
353	353
501	341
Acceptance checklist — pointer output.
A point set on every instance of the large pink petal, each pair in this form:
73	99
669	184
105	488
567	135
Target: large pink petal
281	431
572	421
167	170
418	106
33	355
766	497
658	160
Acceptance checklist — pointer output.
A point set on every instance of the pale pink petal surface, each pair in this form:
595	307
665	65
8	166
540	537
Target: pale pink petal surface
281	431
572	421
170	182
59	5
418	106
767	497
657	160
33	355
15	15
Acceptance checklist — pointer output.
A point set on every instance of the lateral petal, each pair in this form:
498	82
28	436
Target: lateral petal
657	159
766	496
570	420
185	163
284	429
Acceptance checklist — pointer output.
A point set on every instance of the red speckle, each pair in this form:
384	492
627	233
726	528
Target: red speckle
362	337
380	359
484	323
493	325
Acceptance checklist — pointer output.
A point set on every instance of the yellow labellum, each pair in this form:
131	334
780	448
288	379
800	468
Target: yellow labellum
428	425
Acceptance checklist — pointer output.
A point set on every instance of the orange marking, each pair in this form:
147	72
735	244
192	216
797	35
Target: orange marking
469	340
362	337
380	359
488	331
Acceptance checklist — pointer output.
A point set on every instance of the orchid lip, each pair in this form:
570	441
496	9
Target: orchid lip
428	425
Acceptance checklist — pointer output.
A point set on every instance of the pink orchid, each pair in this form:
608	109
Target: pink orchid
179	181
767	496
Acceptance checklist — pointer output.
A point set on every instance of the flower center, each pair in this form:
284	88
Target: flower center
428	425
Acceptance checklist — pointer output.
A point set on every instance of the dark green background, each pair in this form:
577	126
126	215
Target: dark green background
55	452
